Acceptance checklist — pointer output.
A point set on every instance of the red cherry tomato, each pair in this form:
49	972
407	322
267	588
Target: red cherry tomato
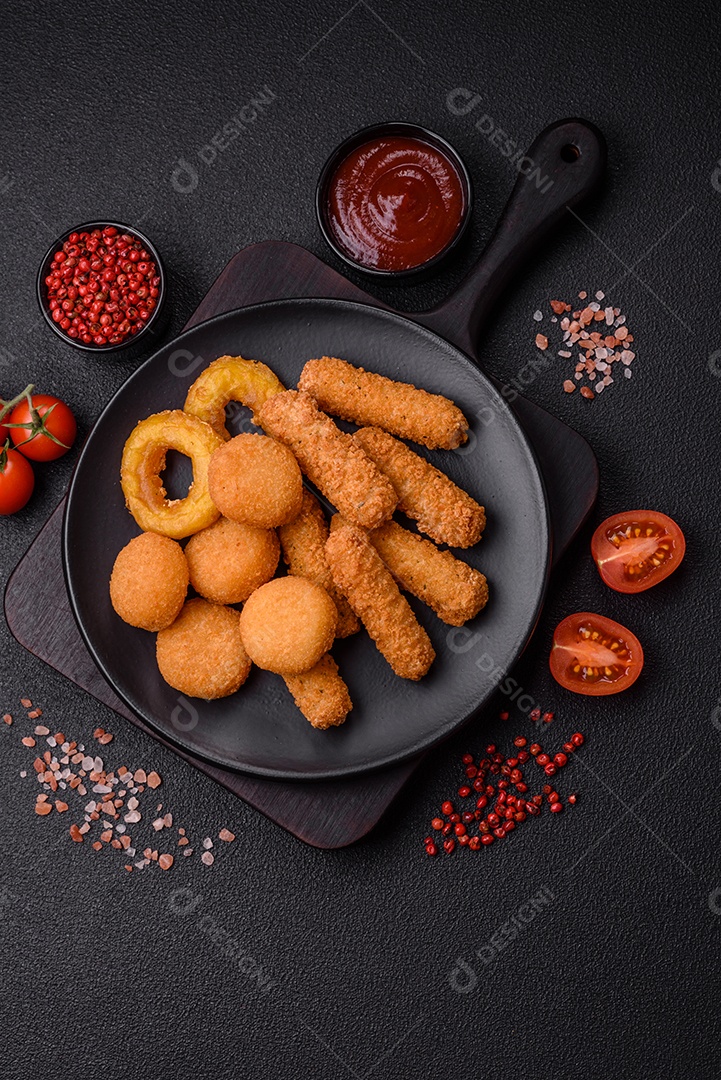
17	481
637	549
51	431
594	655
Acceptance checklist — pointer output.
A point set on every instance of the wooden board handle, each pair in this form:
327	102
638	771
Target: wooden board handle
562	167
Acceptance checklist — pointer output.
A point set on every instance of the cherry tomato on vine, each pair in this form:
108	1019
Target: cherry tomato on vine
17	481
594	655
48	430
637	549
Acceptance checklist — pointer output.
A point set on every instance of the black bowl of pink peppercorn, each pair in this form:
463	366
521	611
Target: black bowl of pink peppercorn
102	288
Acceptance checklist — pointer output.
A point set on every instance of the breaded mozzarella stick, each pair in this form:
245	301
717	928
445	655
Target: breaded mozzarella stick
454	590
330	458
441	509
303	543
360	573
321	694
373	400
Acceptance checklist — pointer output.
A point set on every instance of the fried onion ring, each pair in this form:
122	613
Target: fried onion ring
143	462
230	378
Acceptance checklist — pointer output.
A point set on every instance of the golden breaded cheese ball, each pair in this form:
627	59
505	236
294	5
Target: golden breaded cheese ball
149	581
229	561
255	480
202	653
288	624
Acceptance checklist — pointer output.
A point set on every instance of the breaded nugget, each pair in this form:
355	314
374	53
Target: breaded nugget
454	590
360	573
229	561
441	509
202	653
303	542
320	694
373	400
149	581
255	480
329	458
288	624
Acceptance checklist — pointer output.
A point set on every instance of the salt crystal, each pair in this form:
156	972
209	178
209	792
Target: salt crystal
81	789
132	803
207	843
607	380
168	820
120	828
601	353
626	357
628	373
565	323
599	296
562	352
554	319
620	320
23	773
609	316
579	374
98	764
592	375
51	741
158	824
65	747
132	817
599	387
538	315
87	763
208	858
594	306
101	789
42	730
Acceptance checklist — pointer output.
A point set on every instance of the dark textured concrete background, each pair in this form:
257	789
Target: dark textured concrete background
617	975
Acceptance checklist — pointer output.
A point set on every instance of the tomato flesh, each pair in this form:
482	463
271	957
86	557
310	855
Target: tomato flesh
637	549
594	655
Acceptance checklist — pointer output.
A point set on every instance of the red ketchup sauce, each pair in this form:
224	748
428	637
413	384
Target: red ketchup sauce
394	203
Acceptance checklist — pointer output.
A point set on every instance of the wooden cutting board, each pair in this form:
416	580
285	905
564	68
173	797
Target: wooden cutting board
332	813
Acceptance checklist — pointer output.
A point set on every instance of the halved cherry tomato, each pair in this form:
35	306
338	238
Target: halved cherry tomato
637	549
49	430
594	655
17	481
